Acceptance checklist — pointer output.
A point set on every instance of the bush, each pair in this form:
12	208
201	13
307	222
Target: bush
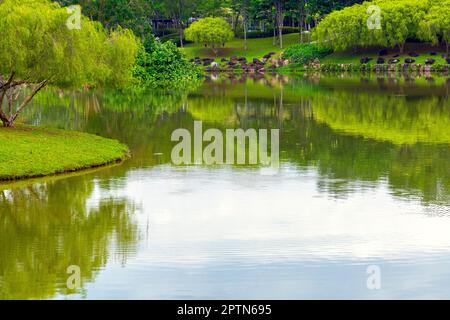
162	64
304	53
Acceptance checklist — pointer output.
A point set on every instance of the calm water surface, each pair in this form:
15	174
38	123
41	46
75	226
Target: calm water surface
364	180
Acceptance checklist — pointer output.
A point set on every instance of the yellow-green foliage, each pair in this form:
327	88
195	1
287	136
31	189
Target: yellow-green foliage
47	227
436	23
29	151
212	32
399	20
36	44
383	117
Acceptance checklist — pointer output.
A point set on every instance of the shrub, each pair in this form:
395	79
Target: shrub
162	64
304	53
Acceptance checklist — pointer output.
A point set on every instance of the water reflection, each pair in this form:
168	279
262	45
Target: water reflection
364	179
46	227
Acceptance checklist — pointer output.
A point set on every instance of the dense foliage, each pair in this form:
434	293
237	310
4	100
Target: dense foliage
304	53
133	15
212	32
162	64
38	48
399	20
436	24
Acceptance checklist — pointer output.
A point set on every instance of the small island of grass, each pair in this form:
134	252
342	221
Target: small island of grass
32	152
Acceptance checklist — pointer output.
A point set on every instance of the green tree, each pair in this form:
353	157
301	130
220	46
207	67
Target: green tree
436	24
134	15
348	28
242	8
39	47
180	11
212	32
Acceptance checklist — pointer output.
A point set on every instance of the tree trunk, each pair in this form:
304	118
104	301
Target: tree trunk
300	24
181	37
235	21
274	31
245	33
180	31
279	20
301	19
7	123
280	34
8	91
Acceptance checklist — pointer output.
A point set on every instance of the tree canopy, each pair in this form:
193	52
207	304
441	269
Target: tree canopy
399	20
38	48
212	32
436	24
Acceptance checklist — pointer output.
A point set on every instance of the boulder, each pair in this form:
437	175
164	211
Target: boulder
269	55
408	60
393	61
380	60
383	52
433	54
430	61
413	54
365	60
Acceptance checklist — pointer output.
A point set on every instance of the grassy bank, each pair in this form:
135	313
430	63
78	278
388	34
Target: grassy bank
256	48
347	58
32	152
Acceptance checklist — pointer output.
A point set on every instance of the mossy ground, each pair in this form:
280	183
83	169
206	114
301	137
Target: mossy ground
28	151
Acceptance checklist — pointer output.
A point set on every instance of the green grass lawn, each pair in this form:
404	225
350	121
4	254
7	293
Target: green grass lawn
256	48
32	151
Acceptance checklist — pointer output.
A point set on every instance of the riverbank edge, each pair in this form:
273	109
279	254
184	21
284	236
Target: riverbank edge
104	151
339	67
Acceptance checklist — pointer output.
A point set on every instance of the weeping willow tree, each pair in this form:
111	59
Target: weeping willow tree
44	44
379	22
436	24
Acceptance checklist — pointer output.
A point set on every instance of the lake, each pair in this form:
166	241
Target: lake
363	183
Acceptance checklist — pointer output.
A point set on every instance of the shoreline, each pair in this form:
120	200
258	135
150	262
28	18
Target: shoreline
42	152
